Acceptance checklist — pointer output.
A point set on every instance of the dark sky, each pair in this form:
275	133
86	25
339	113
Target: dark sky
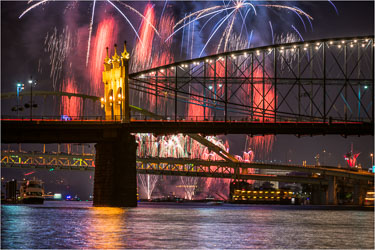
22	47
24	38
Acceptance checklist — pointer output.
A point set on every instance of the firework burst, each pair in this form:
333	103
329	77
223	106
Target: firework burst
58	46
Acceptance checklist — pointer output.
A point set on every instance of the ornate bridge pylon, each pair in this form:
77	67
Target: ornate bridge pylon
116	88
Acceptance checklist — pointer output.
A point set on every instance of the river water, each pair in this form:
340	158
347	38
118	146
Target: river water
79	225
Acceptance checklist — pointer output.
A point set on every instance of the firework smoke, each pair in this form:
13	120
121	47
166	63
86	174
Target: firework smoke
105	36
70	106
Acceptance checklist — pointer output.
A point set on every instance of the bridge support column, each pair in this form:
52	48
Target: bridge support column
115	183
332	190
318	195
359	192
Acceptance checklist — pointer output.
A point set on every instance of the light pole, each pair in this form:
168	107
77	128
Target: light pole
20	87
372	159
31	82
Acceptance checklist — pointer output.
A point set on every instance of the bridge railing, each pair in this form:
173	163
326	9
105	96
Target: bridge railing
63	118
239	118
211	118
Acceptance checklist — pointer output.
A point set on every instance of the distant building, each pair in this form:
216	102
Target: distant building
11	190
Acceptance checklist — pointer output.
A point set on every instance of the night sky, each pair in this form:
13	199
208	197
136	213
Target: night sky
23	54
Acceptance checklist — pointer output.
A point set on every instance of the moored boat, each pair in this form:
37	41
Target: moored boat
32	192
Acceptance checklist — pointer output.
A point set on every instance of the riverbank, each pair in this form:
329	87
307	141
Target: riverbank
260	206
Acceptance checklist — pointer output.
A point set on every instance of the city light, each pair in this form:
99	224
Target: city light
57	196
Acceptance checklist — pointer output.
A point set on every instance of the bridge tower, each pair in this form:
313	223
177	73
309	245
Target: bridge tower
115	181
116	86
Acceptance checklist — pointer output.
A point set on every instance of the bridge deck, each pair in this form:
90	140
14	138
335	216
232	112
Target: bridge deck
41	131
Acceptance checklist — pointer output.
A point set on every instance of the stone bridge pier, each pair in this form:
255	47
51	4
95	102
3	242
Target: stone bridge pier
115	182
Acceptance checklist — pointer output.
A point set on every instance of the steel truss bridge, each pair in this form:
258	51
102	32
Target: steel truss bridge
305	88
182	167
327	80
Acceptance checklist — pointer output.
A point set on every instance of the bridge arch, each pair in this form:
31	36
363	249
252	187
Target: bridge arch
89	103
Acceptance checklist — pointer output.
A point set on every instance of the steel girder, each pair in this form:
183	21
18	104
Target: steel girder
328	80
35	160
189	167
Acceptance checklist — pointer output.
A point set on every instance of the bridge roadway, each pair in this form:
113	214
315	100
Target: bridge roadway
181	167
84	131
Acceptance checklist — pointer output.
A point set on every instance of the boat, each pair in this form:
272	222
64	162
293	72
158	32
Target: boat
212	201
244	193
32	192
70	198
215	203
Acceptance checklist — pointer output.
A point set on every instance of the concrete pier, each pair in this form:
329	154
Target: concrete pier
115	183
332	190
318	195
359	192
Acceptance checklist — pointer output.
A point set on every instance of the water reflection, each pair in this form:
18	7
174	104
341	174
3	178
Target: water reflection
79	225
106	228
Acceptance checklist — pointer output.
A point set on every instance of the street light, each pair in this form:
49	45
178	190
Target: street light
20	87
372	159
32	83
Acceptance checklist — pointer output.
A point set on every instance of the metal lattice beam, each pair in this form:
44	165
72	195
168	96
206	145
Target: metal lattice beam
190	167
320	81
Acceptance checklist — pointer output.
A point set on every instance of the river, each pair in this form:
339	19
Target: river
79	225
